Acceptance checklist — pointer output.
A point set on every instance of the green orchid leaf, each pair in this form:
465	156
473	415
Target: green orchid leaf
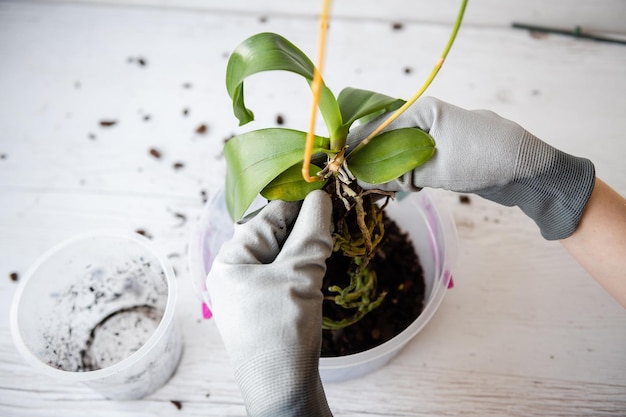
391	154
375	114
355	104
291	186
271	52
255	158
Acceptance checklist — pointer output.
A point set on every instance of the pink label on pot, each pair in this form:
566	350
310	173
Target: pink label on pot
206	312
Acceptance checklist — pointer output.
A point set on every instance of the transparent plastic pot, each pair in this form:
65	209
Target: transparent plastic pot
99	309
434	238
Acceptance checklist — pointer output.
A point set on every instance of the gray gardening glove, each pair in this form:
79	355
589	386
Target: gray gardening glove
480	152
265	287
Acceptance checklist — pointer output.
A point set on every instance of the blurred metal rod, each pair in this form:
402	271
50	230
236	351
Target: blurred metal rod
576	33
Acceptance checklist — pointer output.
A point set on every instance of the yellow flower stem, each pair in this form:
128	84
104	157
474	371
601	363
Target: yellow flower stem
423	88
316	86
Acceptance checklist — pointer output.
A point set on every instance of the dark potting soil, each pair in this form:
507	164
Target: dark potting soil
399	273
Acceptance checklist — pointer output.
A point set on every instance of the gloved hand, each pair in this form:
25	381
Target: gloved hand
265	287
480	152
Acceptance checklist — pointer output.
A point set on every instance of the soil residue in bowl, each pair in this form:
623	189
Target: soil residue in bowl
108	312
118	335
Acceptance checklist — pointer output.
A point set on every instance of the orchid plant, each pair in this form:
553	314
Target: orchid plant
275	162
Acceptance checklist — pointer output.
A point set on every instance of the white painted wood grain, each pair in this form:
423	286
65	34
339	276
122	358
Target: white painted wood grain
525	332
596	15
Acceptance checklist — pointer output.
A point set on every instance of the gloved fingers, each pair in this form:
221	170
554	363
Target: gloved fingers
259	240
262	309
487	113
425	114
474	149
310	238
422	115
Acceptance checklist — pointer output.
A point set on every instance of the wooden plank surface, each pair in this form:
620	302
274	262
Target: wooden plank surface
525	332
592	15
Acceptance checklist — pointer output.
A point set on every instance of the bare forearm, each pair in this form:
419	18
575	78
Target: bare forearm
599	243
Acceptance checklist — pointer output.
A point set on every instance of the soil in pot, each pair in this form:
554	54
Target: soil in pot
399	274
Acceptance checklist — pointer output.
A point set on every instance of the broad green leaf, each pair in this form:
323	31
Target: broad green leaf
375	114
255	158
291	186
356	104
391	154
271	52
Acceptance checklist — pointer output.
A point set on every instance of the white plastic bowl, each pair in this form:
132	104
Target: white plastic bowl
99	309
433	235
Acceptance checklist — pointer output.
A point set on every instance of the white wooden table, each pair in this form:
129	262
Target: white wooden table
525	332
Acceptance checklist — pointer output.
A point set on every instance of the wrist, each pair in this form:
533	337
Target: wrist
283	383
550	186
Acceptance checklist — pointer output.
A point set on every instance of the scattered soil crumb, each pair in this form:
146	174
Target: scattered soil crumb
14	276
185	112
178	165
465	224
280	120
187	85
147	117
108	123
535	92
139	60
535	34
177	404
155	152
3	156
397	26
375	334
204	196
464	199
91	136
263	19
181	216
202	129
144	233
408	70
